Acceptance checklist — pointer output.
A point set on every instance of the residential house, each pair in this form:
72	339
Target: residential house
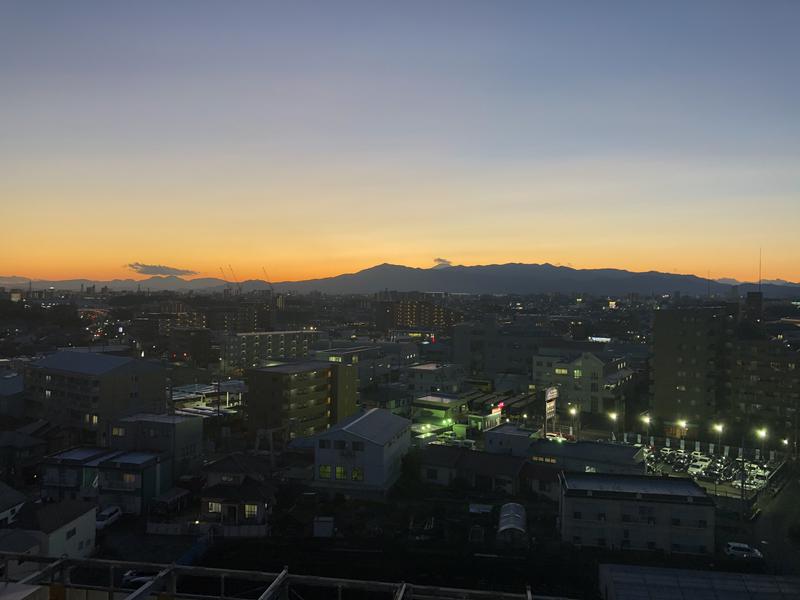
362	455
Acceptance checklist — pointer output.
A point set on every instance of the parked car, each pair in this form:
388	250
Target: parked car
696	468
739	550
107	517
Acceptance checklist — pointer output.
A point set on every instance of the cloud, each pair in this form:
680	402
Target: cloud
158	269
442	262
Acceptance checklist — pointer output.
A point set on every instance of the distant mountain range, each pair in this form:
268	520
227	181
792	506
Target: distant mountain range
482	279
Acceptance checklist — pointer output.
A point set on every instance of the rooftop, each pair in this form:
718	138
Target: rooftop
9	497
296	367
432	366
511	429
47	518
87	363
633	484
628	582
376	425
12	384
153	418
439	401
591	451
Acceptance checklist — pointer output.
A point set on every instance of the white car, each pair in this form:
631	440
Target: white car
738	550
107	517
696	468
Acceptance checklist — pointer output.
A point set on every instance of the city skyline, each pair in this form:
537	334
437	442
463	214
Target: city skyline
318	140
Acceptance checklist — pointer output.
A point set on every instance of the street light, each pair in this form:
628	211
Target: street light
719	427
762	435
573	412
647	420
613	416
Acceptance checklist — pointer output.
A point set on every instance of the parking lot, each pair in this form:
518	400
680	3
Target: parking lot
721	476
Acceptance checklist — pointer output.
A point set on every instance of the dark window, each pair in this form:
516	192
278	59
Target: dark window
358	446
340	445
576	515
324	443
432	474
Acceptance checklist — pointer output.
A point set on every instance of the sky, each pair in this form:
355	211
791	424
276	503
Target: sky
306	139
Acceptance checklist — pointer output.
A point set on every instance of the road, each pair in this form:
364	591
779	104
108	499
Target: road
771	530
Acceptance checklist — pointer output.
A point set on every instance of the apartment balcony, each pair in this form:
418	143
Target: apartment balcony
119	485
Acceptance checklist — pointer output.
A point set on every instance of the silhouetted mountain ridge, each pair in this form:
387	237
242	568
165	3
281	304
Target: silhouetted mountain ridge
518	278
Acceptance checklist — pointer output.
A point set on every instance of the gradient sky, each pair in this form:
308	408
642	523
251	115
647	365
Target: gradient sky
315	138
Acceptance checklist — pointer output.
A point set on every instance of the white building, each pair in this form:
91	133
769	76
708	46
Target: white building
362	455
636	512
62	529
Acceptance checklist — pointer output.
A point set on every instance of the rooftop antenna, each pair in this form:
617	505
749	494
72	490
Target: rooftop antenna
759	268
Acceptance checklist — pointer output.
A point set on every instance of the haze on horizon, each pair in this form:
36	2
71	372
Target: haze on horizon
321	138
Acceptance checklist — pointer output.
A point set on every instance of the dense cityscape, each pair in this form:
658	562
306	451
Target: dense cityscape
496	442
399	300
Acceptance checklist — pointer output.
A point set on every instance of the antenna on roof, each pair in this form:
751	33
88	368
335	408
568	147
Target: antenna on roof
759	268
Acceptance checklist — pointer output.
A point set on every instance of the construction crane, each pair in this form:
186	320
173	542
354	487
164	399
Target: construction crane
225	278
236	281
266	280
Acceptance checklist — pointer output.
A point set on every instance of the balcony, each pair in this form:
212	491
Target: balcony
119	485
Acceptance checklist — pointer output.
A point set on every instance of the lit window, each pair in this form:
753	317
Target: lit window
562	371
118	431
214	507
357	474
341	472
129	477
250	511
577	373
324	471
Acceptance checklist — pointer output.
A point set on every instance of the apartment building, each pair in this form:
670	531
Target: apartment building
636	512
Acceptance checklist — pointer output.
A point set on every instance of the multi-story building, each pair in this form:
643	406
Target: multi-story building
410	314
688	366
191	345
591	382
303	398
242	317
428	378
86	391
764	386
247	350
362	455
629	512
132	480
180	436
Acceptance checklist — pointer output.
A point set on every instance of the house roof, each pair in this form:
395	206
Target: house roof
9	497
633	484
15	439
239	463
376	425
11	385
87	363
480	463
48	518
248	490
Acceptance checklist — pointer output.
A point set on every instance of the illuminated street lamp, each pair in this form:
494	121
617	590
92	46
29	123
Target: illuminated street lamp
683	424
647	420
719	427
762	435
573	412
613	416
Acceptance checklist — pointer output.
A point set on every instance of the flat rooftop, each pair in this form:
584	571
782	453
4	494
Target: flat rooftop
590	451
633	484
438	401
431	366
151	418
298	367
511	429
628	582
